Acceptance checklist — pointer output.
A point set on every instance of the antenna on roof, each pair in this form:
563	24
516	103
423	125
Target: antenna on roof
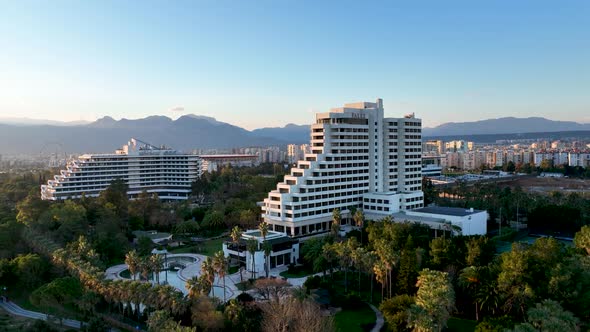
146	145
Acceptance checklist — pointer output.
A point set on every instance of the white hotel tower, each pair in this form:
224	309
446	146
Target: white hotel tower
141	166
358	159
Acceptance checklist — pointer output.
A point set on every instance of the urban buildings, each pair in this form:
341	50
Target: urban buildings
213	162
141	166
358	159
296	152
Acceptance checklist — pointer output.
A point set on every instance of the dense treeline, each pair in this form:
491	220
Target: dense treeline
538	211
57	252
44	243
422	281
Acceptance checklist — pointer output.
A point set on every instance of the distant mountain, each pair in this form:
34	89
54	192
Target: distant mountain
508	125
292	133
38	122
194	132
106	135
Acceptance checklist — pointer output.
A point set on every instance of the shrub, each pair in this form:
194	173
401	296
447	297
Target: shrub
314	282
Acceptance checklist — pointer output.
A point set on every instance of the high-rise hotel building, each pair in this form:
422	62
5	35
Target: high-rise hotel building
358	159
168	173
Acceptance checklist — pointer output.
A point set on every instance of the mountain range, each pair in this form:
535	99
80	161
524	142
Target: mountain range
107	134
200	132
507	125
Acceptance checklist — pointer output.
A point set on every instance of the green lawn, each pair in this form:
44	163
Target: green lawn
296	272
352	320
461	325
207	247
338	283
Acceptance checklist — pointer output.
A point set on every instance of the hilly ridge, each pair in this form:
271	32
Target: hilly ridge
506	125
190	132
106	134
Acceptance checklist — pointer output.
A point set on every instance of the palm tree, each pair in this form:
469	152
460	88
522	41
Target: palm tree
357	256
156	262
252	246
359	220
336	219
368	264
193	286
344	252
380	275
263	228
469	279
267	248
132	261
208	271
236	235
145	268
220	265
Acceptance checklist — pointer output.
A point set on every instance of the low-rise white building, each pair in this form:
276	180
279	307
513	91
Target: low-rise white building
470	221
285	251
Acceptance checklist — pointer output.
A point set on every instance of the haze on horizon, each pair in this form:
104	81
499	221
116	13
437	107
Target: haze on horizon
279	62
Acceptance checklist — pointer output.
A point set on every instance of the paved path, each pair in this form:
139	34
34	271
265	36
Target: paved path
380	321
14	309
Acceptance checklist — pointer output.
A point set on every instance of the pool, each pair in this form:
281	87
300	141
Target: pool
173	278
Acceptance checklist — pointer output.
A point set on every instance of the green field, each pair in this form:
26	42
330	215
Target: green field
352	320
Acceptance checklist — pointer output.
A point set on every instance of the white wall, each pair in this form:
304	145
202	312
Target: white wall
473	224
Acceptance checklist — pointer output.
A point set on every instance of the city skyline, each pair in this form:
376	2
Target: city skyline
281	62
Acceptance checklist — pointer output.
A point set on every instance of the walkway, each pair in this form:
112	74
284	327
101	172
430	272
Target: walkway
379	321
14	309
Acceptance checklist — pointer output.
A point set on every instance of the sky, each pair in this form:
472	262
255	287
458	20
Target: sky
269	63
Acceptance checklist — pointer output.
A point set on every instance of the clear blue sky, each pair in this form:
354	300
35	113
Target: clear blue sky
267	63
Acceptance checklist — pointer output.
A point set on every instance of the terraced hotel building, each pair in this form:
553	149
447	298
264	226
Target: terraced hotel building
358	159
166	172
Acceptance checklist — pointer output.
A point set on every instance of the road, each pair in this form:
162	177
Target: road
14	309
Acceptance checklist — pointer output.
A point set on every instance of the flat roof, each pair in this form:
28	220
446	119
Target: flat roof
447	211
400	217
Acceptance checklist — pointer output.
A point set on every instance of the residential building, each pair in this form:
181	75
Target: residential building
432	147
213	162
458	146
142	166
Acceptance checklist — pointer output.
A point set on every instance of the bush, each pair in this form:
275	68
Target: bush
495	324
40	326
351	301
314	282
245	298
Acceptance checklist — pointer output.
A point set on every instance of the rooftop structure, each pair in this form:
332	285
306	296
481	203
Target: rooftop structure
142	166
